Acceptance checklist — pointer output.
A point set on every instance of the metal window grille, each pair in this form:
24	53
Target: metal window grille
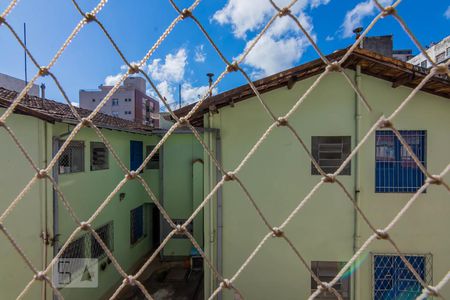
440	57
330	152
326	271
392	278
395	169
137	224
106	234
115	102
154	161
99	156
75	249
72	159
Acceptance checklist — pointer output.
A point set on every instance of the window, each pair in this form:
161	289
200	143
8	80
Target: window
99	156
137	230
115	102
72	159
154	161
330	152
395	170
424	64
136	153
440	57
75	249
115	113
393	280
106	234
326	271
93	100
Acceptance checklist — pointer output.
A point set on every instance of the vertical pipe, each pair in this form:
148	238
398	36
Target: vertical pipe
24	51
210	205
55	204
355	277
219	208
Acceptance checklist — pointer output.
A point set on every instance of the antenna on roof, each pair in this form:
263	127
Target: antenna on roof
357	31
25	51
179	96
210	81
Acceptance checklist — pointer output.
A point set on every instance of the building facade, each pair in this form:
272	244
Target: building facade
328	230
129	102
17	85
440	52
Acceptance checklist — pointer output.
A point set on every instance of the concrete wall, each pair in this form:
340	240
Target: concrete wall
278	176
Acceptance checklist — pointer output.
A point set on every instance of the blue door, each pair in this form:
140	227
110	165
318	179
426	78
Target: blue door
136	154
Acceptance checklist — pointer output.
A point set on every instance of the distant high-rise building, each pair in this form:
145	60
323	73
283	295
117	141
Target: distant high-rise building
129	102
17	85
440	52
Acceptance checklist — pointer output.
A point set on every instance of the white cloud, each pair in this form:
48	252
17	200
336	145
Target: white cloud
75	104
200	55
112	79
191	94
282	45
329	38
447	13
353	18
271	55
172	69
166	90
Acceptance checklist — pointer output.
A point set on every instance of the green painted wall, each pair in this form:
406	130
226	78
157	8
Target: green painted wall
180	186
278	176
87	190
32	215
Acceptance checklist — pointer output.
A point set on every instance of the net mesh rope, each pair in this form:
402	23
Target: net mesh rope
184	14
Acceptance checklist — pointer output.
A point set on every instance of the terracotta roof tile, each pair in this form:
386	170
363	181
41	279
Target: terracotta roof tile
50	110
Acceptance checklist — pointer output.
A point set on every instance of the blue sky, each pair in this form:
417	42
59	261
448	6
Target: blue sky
186	56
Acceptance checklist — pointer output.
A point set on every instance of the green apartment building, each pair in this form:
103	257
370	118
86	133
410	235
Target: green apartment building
327	231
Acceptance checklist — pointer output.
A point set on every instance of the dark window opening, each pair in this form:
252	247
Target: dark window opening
330	152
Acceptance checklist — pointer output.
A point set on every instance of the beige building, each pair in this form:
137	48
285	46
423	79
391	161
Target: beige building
129	102
17	85
440	52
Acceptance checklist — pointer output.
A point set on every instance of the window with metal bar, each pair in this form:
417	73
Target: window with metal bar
106	234
99	156
393	280
330	152
72	159
326	271
154	161
75	249
395	169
